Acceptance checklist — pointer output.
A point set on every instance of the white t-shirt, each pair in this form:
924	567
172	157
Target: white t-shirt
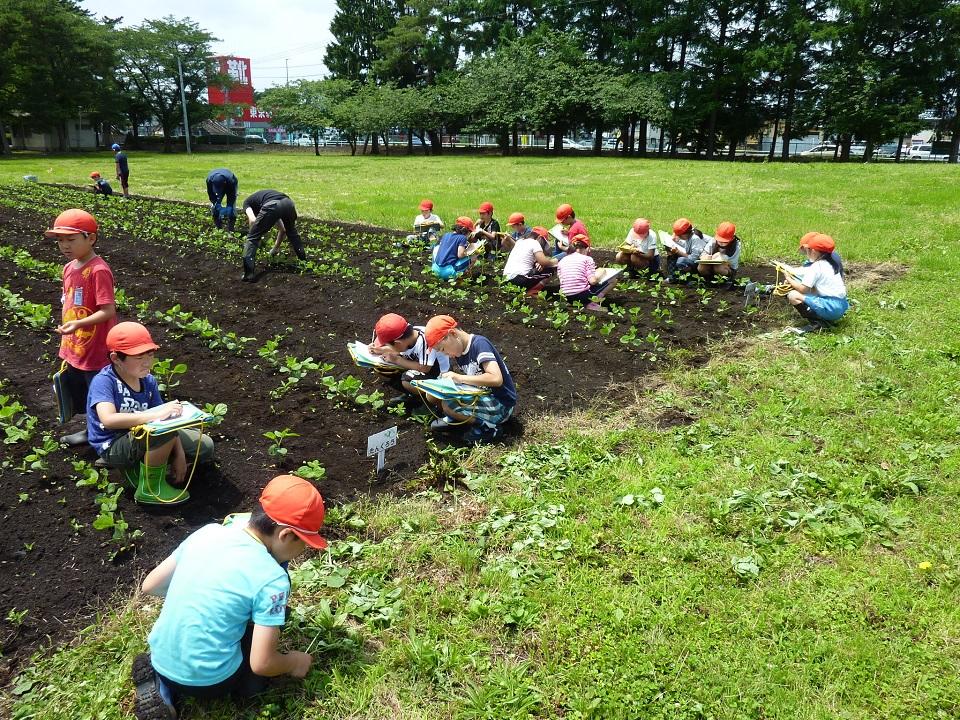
431	219
420	353
823	281
645	244
522	258
713	246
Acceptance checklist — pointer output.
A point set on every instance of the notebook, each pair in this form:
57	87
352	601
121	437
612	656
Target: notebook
191	415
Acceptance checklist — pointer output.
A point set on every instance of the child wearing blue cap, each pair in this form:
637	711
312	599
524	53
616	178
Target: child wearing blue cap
123	168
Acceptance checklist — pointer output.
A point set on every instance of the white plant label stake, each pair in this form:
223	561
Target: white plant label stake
378	444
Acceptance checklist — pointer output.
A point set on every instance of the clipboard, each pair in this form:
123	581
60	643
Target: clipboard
713	262
474	248
666	239
446	389
191	415
557	232
362	357
609	273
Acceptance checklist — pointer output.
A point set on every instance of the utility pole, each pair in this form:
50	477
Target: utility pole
286	63
183	102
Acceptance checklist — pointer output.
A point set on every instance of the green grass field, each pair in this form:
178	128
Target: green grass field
791	553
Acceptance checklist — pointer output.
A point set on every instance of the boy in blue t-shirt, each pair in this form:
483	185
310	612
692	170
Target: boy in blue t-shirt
124	395
123	168
226	593
482	366
451	256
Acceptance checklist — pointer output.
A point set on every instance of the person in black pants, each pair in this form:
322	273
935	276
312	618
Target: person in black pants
222	191
264	209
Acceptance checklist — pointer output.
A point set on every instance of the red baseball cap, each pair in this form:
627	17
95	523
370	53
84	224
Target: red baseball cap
94	174
390	327
641	226
465	222
580	238
130	338
682	226
437	328
293	502
541	232
725	233
822	243
486	207
516	219
805	240
73	221
426	205
564	211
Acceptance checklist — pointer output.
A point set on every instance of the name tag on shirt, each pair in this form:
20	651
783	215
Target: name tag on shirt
78	296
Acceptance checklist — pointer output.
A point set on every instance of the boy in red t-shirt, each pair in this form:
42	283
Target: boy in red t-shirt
89	309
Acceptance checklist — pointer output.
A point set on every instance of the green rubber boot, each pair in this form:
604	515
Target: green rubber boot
153	488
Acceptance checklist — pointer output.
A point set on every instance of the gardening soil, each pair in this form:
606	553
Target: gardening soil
58	569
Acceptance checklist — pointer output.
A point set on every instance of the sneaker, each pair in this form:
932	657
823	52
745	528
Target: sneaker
480	433
815	326
248	278
444	424
150	703
535	290
77	439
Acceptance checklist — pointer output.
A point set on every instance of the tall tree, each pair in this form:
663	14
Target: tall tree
356	28
149	70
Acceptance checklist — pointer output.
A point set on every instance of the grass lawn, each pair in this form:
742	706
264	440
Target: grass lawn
792	552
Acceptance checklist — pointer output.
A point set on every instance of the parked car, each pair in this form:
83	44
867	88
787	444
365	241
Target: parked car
823	150
305	141
255	139
927	152
569	144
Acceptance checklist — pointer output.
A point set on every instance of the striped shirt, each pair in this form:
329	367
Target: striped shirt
574	271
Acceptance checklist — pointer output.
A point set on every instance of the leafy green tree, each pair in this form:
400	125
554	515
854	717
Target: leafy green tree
148	70
356	28
305	106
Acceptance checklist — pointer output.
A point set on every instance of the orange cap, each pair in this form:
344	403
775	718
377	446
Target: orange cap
516	219
580	238
682	226
426	205
70	222
541	232
725	233
130	338
465	222
805	240
822	243
94	174
293	502
390	327
564	211
437	328
641	226
486	207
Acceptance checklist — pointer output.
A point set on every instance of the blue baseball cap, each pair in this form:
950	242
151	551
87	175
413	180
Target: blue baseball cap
115	147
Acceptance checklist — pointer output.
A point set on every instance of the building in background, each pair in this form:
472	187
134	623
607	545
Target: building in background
242	114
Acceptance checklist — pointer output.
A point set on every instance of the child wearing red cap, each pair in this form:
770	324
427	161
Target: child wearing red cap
482	366
427	224
517	228
580	280
405	345
451	256
724	247
125	395
100	185
226	593
571	227
488	228
639	250
89	310
684	249
528	265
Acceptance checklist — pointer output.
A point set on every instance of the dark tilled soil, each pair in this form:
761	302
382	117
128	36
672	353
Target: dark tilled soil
55	566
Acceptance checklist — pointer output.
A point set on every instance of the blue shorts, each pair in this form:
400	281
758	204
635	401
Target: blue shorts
485	408
446	272
830	309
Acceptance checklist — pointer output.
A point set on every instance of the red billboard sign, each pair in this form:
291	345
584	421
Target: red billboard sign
241	93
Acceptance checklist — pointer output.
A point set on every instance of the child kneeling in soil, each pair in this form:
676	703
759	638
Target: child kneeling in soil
100	186
580	280
723	252
124	395
483	367
639	250
451	256
528	265
405	345
226	593
427	224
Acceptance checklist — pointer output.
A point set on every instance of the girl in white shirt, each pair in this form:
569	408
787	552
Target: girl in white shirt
819	293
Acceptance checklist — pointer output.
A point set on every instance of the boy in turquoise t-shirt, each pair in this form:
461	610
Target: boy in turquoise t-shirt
226	593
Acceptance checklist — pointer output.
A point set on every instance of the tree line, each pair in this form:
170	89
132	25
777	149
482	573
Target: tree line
708	73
